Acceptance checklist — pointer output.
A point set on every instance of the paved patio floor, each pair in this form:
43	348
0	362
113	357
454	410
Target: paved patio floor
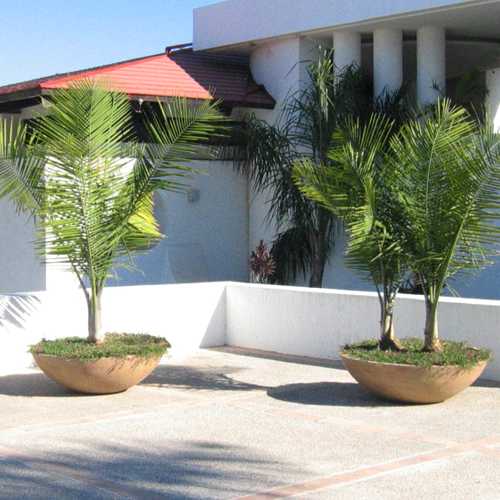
234	424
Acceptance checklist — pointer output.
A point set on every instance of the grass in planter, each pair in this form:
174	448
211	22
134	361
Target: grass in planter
114	346
454	354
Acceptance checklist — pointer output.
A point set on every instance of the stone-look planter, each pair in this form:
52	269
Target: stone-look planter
412	384
101	376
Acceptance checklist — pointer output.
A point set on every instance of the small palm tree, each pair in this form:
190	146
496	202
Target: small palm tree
357	188
450	197
90	183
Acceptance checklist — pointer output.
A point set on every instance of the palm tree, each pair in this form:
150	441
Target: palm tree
305	128
425	199
450	197
358	190
90	183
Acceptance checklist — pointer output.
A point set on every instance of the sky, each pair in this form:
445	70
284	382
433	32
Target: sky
42	37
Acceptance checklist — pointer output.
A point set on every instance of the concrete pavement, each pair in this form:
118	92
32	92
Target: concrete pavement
237	424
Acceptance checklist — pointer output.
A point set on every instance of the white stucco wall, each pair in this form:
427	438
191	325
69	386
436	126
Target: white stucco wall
206	239
250	20
318	323
20	267
289	320
493	97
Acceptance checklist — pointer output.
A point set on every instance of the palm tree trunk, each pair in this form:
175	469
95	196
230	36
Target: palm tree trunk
94	314
319	250
388	340
431	332
317	271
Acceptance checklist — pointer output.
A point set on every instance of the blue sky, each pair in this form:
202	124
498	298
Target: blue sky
39	38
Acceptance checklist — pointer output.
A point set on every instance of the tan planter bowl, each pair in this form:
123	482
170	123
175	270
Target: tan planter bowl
102	376
412	384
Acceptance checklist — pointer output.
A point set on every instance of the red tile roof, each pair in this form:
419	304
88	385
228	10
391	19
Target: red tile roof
182	73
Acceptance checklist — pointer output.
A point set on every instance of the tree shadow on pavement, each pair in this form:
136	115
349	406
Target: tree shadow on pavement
173	470
33	385
209	378
329	394
165	376
490	384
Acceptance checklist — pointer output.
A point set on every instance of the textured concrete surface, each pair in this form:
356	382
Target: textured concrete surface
237	424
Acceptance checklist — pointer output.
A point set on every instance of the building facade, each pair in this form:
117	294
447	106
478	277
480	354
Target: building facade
430	45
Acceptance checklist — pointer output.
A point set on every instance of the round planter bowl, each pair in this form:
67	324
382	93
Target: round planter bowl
412	384
101	376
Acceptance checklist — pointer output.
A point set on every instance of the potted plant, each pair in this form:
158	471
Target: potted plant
90	183
447	195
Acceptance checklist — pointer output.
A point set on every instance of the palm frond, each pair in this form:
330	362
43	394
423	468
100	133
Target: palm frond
449	193
21	170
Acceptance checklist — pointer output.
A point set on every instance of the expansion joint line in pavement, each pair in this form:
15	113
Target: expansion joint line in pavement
484	446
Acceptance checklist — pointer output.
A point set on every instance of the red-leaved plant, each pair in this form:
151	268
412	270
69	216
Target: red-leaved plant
262	265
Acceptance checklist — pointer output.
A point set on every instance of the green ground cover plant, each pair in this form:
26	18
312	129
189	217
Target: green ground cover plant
412	353
114	345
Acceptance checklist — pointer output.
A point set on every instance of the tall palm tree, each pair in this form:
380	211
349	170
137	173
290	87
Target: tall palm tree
305	128
91	183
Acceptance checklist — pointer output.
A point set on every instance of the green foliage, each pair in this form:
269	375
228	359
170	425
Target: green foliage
304	130
94	183
450	198
357	187
421	197
114	346
98	204
307	131
450	191
453	354
20	170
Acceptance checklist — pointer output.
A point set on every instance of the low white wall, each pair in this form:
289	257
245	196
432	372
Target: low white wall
318	323
189	316
299	321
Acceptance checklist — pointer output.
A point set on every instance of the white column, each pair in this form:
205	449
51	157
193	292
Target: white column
493	97
431	64
347	49
387	60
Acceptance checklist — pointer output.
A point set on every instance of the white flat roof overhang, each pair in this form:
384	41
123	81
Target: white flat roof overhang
239	24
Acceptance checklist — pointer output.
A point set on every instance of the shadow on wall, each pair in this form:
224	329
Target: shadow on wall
216	327
16	310
173	469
